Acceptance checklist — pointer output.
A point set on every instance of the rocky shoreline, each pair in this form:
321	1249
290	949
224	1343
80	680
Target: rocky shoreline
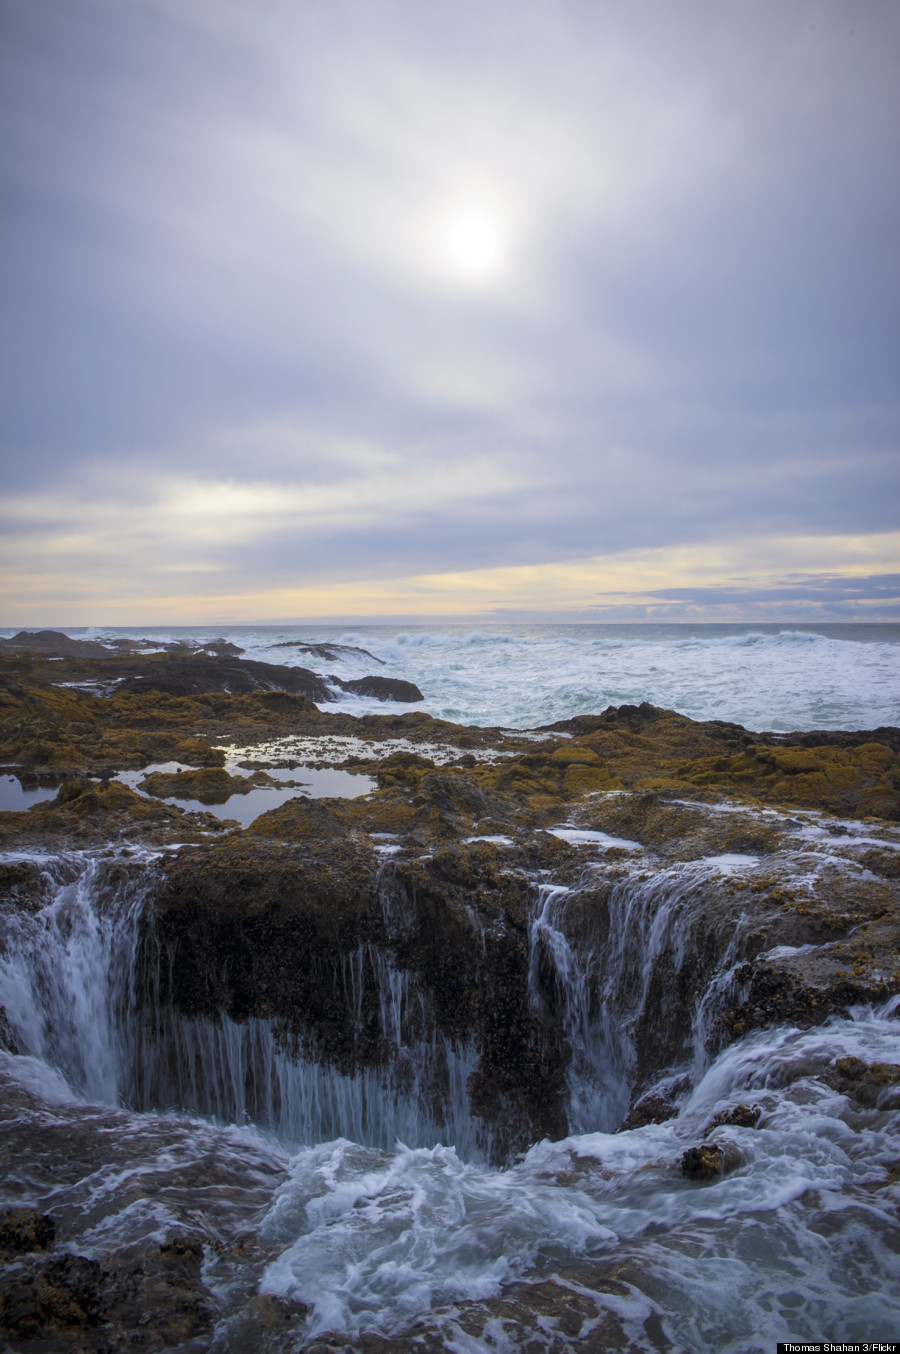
763	868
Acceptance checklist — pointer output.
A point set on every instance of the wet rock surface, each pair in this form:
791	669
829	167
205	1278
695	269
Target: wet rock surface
25	1229
739	881
466	817
869	1084
148	1298
211	785
740	1116
710	1160
382	688
552	1316
651	1108
54	644
327	651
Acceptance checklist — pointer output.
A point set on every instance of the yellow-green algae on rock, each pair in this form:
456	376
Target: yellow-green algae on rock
682	791
212	785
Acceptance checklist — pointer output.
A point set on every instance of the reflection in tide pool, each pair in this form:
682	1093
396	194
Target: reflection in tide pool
304	781
14	797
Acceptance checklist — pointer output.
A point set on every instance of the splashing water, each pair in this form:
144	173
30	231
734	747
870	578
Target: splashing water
372	1233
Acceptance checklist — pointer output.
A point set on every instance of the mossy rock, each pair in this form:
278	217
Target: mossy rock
302	819
87	813
860	780
26	1229
583	779
258	927
197	752
212	785
576	755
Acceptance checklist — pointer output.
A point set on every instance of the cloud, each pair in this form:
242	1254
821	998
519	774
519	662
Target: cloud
236	347
780	578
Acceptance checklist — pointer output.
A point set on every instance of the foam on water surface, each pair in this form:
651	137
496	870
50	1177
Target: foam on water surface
521	676
587	837
779	1247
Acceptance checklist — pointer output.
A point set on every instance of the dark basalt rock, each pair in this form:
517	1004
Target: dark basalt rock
196	674
8	1041
67	1292
253	926
887	736
710	1161
30	885
650	1109
185	671
210	786
381	688
777	996
54	644
869	1084
327	651
147	1298
738	1116
26	1229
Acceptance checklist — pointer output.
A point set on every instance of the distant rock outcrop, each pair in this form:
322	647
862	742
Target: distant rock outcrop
54	644
382	688
197	674
327	651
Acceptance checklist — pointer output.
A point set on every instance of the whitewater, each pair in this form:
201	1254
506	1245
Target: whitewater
521	676
348	1197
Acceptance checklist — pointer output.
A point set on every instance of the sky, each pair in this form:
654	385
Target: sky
355	309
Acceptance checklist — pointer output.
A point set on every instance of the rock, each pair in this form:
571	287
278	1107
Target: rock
209	786
91	814
740	1116
381	688
243	919
222	648
192	675
252	926
150	1297
8	1041
869	1084
710	1161
26	1229
327	651
29	885
197	752
54	644
803	997
67	1292
302	819
650	1109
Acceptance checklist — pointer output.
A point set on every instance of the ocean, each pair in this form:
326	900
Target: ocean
375	1215
521	676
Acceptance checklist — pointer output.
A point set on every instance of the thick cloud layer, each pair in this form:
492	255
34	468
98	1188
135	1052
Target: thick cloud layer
251	371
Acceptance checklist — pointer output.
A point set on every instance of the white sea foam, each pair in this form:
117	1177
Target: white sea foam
587	837
521	676
799	1237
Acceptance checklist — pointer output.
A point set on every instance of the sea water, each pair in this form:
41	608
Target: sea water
774	677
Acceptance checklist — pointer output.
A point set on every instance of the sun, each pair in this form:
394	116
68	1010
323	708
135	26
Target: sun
474	241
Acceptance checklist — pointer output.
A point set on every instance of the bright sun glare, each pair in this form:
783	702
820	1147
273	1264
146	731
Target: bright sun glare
473	240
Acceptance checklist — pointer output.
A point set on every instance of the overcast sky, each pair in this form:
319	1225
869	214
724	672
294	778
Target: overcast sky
317	308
